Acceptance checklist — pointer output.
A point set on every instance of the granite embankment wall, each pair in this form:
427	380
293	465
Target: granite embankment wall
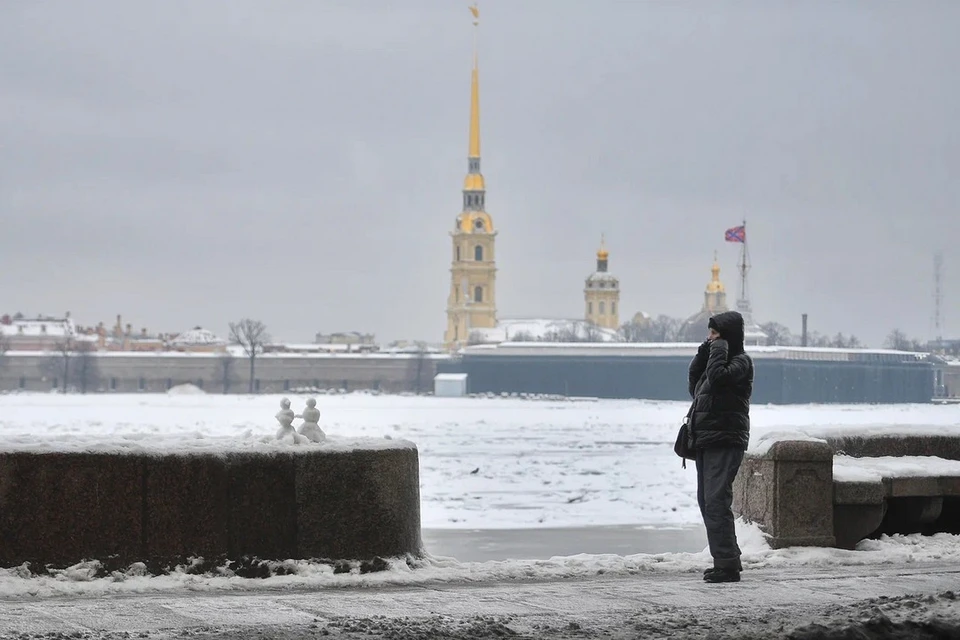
58	508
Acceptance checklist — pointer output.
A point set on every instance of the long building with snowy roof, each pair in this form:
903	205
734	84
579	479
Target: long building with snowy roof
653	371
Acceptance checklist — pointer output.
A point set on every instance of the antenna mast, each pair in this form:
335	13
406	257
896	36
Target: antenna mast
938	297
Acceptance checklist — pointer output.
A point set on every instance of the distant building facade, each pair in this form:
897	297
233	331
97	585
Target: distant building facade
601	294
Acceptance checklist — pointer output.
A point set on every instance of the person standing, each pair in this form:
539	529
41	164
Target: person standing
720	381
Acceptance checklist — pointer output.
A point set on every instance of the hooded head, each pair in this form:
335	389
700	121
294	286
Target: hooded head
729	325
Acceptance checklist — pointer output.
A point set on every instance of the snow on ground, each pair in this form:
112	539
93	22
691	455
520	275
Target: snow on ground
484	463
88	579
849	469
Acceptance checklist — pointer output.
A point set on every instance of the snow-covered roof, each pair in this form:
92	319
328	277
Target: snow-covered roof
603	276
540	328
40	327
197	336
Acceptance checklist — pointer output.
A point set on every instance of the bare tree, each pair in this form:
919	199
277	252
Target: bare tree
899	341
590	333
664	329
252	336
564	334
74	365
57	364
86	368
418	367
4	347
817	339
225	371
475	337
632	332
522	336
777	334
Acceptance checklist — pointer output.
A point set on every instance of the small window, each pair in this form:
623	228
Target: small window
56	383
286	385
113	384
478	253
199	383
613	308
169	383
256	385
458	253
23	382
590	308
142	384
602	307
478	294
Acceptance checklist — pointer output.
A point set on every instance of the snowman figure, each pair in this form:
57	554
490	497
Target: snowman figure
285	417
310	428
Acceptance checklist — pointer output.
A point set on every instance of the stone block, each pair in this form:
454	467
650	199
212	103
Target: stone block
753	490
865	492
186	507
913	487
262	505
60	508
358	504
789	492
950	486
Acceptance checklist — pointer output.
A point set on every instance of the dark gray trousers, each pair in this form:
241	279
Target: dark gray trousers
716	469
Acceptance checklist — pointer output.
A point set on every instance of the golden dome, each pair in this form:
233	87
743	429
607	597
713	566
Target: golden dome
602	253
715	286
474	221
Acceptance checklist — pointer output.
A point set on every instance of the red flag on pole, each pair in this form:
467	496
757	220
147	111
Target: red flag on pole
736	234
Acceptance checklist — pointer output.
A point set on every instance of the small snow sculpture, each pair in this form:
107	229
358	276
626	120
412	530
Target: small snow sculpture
285	417
310	428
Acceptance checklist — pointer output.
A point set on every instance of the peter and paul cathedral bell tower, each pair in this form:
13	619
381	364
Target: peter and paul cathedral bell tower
471	303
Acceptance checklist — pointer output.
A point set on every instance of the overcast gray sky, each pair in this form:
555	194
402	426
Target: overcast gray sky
190	163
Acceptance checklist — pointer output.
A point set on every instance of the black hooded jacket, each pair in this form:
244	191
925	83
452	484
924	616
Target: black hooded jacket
720	381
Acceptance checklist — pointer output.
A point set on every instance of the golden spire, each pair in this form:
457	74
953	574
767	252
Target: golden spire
603	254
474	180
474	151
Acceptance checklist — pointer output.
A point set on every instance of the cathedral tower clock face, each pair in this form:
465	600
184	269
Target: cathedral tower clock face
478	224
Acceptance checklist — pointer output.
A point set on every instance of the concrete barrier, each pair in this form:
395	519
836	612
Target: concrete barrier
303	502
790	490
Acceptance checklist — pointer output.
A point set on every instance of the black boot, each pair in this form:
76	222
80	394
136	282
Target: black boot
722	575
713	569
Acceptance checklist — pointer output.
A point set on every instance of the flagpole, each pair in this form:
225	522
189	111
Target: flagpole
743	304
